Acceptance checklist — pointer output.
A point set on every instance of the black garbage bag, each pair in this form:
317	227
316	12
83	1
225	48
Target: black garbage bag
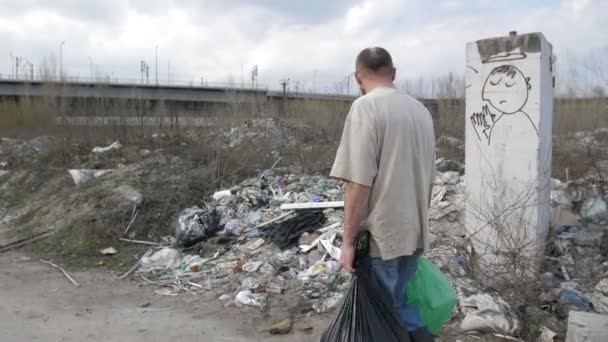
285	234
365	314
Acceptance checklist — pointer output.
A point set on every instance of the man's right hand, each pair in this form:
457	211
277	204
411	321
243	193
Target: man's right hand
347	257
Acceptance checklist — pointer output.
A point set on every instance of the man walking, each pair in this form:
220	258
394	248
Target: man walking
386	158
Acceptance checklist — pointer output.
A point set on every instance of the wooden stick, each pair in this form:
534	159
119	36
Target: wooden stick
275	219
62	271
313	205
136	266
24	242
133	217
140	242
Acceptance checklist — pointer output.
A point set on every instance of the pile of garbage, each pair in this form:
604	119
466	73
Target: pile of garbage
279	235
248	244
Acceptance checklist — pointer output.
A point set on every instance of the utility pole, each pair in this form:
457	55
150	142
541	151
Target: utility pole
17	62
91	66
254	76
61	60
156	65
31	71
12	65
284	84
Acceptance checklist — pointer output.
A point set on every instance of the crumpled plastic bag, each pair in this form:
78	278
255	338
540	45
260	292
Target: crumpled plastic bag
595	210
364	315
164	259
483	313
432	293
195	224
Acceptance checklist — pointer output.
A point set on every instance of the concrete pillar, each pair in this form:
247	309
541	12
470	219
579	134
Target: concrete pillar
509	116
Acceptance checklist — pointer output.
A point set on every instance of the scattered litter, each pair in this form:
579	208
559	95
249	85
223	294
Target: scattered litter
313	205
569	297
165	292
218	196
108	251
447	178
328	304
164	259
286	233
595	210
81	176
114	146
141	242
252	266
255	244
194	224
136	265
246	297
547	335
483	313
602	286
275	285
62	271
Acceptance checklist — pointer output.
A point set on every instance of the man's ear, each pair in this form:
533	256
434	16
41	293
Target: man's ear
394	73
358	78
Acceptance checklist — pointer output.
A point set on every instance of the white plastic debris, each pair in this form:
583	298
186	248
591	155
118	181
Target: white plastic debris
252	266
165	259
483	313
595	210
114	146
3	172
108	251
602	286
447	178
81	176
328	245
221	195
546	335
246	297
250	284
328	304
225	297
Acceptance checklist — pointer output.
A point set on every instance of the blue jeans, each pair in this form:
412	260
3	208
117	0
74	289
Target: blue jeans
392	275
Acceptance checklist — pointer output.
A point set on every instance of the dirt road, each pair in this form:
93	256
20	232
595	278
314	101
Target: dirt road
38	304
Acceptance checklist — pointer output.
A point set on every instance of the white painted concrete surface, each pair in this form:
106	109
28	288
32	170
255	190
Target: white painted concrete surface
509	114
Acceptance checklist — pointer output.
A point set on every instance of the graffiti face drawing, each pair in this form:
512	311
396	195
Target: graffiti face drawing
505	93
506	89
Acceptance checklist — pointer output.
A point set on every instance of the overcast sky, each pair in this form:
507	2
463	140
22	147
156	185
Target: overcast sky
300	40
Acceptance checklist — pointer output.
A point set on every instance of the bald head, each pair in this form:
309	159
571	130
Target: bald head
375	59
374	67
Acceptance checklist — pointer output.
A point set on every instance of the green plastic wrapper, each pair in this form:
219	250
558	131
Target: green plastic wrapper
431	291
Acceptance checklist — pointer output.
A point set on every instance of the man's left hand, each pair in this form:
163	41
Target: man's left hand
347	257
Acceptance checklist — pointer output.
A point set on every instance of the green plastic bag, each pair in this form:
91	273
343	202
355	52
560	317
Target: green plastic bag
432	293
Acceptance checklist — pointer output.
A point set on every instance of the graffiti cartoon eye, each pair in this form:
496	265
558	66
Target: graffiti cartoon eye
496	83
509	85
